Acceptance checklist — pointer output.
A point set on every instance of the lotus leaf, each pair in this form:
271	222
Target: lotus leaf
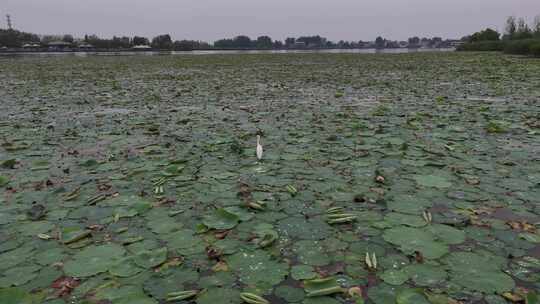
93	260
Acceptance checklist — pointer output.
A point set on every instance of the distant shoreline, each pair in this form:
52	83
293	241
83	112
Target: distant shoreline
220	51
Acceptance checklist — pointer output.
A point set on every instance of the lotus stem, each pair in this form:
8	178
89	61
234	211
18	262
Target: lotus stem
253	298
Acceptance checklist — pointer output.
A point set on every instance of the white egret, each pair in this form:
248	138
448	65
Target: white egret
259	148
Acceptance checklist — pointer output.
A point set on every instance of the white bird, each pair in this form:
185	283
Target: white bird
259	148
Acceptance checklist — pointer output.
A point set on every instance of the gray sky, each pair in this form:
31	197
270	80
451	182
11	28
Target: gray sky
212	19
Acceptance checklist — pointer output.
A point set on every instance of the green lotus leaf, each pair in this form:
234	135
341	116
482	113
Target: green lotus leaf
19	296
93	260
151	258
382	294
124	268
408	204
219	279
170	280
257	266
124	295
311	253
432	181
447	234
410	240
303	272
15	257
4	180
320	300
18	276
289	294
219	295
221	219
411	296
299	227
426	275
477	272
394	276
395	218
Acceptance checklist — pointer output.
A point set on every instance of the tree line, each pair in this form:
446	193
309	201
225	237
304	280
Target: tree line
17	39
518	38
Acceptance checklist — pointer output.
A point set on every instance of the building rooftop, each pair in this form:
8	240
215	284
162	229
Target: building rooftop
59	43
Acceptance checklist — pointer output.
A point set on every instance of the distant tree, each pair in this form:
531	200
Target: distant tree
380	42
185	45
242	42
414	41
536	26
98	42
485	35
224	44
344	44
522	25
114	43
510	28
277	45
15	38
523	31
46	39
68	38
120	42
140	41
290	41
264	42
313	41
162	42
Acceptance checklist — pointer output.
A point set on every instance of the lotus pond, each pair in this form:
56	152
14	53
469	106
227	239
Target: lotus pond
407	178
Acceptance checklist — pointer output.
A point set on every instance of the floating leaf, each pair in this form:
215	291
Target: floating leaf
93	260
219	295
4	180
289	294
221	219
478	272
432	181
303	272
257	267
411	296
413	239
151	258
125	268
8	163
425	275
394	277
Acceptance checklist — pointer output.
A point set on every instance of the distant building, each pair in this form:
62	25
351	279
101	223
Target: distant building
299	45
392	45
59	45
455	43
368	45
31	46
86	46
142	47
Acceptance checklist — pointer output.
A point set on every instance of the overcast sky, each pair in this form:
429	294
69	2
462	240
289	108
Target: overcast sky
212	19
